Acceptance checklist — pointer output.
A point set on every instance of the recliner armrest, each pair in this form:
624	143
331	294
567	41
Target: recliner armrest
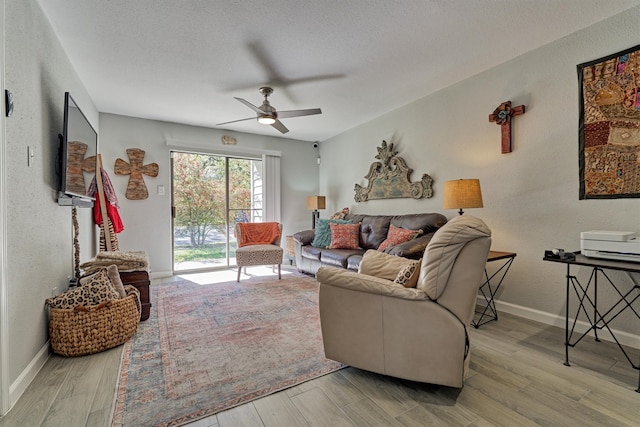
363	283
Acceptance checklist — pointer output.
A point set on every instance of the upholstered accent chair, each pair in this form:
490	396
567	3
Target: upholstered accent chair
417	333
258	244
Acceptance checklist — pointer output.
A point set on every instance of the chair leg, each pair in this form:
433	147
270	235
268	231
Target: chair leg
279	276
239	271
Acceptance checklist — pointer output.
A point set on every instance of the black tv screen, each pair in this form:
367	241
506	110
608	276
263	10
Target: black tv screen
79	146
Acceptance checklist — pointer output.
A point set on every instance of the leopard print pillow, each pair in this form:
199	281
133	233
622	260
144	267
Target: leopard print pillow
70	299
99	288
93	290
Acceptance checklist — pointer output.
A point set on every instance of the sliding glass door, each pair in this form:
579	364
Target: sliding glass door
210	194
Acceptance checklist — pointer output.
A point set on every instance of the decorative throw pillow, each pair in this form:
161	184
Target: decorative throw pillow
94	289
322	236
344	236
397	235
70	299
408	275
98	287
340	214
384	266
116	282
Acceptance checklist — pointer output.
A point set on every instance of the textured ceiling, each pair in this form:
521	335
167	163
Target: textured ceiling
183	61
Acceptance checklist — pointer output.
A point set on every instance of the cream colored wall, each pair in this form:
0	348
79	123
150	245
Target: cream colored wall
39	232
148	222
530	195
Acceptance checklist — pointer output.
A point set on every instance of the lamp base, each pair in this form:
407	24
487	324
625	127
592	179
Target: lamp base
460	212
315	215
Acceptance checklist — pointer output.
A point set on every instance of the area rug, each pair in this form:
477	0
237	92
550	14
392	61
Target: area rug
208	348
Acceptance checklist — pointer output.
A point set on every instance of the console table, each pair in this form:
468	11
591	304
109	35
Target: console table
488	292
588	304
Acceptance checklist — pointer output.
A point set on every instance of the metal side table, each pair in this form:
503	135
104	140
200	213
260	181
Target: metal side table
489	289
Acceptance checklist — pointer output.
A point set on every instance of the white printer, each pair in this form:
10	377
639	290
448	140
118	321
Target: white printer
617	245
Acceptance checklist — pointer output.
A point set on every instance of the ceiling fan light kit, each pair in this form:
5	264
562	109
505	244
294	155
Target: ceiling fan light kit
267	114
266	120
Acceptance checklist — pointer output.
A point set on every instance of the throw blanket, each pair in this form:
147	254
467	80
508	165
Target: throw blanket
258	233
111	198
124	260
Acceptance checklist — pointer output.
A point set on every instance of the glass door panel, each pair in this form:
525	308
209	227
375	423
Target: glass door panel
210	194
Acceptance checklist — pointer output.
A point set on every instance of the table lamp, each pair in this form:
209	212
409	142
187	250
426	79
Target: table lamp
313	204
462	194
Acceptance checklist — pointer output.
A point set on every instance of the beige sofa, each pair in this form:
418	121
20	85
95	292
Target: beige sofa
417	333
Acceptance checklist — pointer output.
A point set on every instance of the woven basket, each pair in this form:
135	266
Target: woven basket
88	330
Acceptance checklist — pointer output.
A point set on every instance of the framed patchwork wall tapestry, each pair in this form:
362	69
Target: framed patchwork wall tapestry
609	126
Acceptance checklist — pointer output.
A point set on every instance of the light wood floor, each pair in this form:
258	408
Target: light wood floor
517	378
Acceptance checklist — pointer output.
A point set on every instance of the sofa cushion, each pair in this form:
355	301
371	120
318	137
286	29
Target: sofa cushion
353	263
427	222
373	229
311	252
338	257
344	236
385	266
322	235
398	235
443	249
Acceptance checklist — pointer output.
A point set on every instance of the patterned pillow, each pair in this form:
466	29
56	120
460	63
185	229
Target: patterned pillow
344	236
408	275
93	290
397	235
322	236
70	299
340	214
98	287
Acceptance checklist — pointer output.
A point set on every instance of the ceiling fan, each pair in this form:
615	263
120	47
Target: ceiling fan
267	114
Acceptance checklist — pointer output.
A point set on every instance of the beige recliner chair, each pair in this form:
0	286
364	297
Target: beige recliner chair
420	333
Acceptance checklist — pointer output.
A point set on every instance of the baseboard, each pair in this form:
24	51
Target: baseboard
24	379
160	274
625	338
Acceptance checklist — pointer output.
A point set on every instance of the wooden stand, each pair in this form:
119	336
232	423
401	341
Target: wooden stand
140	280
103	205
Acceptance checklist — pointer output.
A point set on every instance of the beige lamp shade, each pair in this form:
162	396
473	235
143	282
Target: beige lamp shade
315	203
462	194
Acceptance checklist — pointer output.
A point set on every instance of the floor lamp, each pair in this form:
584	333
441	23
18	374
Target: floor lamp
313	204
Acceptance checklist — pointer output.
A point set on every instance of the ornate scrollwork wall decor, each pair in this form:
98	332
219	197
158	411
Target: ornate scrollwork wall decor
389	178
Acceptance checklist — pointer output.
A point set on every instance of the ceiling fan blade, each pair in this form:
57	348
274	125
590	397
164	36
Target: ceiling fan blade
298	113
233	121
278	125
250	105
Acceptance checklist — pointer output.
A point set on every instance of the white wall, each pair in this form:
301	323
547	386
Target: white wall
530	195
39	235
148	222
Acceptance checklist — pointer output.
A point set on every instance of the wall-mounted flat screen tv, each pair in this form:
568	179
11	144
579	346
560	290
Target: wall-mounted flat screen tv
78	149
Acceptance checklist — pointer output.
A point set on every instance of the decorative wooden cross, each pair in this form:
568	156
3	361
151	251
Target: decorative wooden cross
502	116
76	165
136	188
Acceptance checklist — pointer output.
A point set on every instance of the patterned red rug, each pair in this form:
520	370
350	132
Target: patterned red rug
207	348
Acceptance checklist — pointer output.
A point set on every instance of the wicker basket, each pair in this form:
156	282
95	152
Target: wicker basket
88	330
